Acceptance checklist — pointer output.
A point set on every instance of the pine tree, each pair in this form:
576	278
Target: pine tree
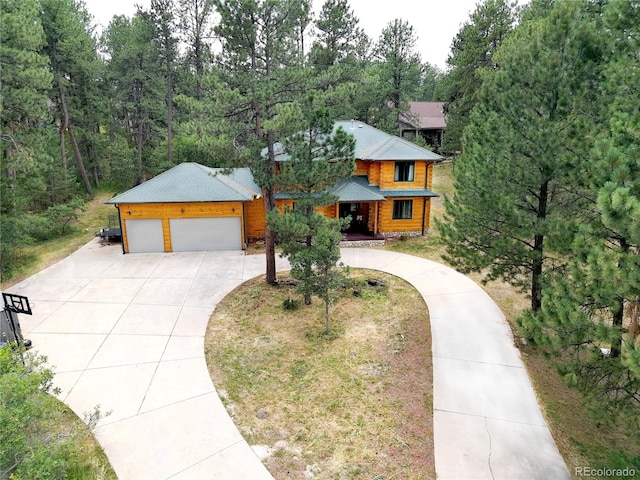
472	52
261	61
591	307
529	132
197	33
318	158
25	80
72	53
338	37
399	70
136	75
166	42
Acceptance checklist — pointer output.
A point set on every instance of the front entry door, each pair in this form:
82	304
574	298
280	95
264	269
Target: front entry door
359	213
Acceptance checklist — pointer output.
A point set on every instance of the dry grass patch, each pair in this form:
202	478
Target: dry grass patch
356	404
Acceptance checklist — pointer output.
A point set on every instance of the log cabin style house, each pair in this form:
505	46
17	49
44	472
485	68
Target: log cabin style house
193	207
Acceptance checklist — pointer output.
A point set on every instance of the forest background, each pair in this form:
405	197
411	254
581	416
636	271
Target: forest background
542	119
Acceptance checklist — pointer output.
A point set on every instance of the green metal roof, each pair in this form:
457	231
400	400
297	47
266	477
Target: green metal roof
408	193
192	182
374	144
356	189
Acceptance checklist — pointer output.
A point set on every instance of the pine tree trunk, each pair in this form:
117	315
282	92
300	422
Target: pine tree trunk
308	272
169	114
538	250
618	317
83	171
269	204
139	151
66	126
327	324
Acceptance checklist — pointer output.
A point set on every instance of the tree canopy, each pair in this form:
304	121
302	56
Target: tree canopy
546	190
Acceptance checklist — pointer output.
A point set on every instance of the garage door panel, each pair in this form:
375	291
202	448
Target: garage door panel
144	235
194	234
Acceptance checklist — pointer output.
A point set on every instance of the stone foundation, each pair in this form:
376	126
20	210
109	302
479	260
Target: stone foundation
400	234
362	243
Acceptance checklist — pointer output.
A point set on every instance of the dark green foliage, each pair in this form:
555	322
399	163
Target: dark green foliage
472	54
399	71
527	137
138	88
593	305
26	79
340	41
318	158
33	442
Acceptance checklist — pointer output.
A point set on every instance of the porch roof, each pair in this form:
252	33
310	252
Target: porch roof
356	189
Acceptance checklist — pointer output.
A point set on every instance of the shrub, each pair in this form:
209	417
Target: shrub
37	440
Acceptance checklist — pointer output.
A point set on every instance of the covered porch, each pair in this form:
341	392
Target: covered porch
356	199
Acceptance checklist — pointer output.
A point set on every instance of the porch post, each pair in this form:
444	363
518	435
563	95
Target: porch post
375	219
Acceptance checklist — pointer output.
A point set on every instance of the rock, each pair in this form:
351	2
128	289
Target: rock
262	413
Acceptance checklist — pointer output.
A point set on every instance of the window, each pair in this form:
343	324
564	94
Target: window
402	209
404	172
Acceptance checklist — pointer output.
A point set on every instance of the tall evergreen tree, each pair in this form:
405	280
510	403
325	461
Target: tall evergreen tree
338	58
318	158
472	52
135	73
72	53
25	81
196	17
431	77
166	42
529	132
400	70
339	35
261	61
592	305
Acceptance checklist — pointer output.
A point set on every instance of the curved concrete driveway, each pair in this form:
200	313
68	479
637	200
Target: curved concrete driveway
126	332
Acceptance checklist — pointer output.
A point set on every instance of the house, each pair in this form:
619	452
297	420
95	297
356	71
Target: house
193	207
426	119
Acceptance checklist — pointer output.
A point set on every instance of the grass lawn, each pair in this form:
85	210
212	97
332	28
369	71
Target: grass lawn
354	405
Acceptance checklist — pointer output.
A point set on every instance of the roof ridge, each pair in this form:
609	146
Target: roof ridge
232	183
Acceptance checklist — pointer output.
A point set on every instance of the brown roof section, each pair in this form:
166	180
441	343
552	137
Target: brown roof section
424	115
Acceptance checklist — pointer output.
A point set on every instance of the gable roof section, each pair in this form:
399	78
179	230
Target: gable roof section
192	182
425	115
373	144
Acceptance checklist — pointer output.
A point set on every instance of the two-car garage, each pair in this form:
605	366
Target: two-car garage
187	208
186	234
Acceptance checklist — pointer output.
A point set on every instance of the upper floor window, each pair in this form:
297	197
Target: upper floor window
404	172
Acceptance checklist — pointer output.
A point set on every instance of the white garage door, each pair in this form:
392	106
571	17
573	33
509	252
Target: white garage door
192	234
145	235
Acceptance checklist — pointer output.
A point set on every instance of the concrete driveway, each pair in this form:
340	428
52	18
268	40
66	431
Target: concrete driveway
126	332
